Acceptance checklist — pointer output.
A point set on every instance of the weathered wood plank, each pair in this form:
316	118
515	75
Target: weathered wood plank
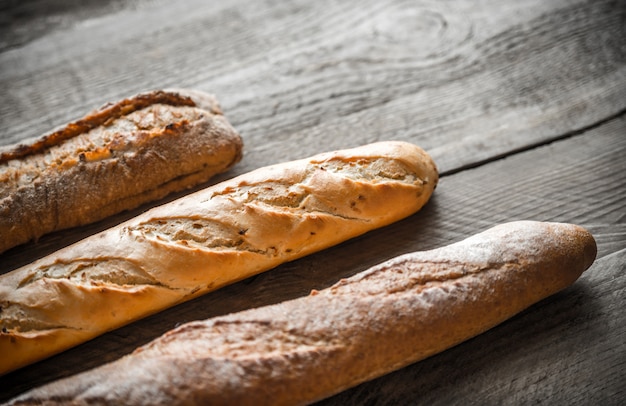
466	80
536	355
24	21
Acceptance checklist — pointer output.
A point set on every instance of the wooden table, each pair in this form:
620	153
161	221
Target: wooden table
522	104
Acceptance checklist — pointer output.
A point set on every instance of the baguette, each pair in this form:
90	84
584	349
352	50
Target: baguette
114	159
205	240
380	320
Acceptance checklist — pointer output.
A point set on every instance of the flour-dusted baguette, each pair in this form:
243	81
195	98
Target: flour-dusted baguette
114	159
205	240
382	319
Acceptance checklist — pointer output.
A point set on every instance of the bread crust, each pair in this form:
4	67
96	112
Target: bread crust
205	240
300	351
116	158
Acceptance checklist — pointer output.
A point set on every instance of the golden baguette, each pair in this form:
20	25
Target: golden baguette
205	240
122	155
300	351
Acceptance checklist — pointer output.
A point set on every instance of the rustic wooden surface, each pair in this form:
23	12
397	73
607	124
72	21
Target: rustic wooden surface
522	104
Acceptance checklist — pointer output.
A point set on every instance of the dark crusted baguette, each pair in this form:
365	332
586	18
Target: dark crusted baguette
205	240
114	159
382	319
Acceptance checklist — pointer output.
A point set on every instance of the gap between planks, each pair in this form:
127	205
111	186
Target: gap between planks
531	146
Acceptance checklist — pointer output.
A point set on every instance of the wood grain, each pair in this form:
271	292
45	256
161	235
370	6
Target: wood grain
521	103
466	80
